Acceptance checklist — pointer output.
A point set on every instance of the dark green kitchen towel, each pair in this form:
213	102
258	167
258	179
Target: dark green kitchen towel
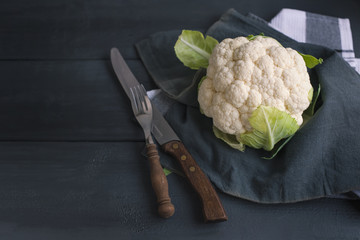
322	159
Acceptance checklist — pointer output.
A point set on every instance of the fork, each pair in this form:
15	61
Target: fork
142	109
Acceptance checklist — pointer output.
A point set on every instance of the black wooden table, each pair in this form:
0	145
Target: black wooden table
70	162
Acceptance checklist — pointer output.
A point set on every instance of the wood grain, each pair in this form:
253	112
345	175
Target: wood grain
88	29
66	100
159	183
88	190
213	210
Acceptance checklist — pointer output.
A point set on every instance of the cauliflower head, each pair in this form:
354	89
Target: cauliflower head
243	74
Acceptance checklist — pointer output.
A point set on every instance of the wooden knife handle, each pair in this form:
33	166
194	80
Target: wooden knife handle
212	208
159	183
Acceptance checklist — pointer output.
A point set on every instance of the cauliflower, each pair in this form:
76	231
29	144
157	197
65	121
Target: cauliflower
244	74
255	90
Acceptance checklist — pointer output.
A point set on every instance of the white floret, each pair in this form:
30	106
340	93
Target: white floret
205	96
237	93
223	78
243	70
243	75
230	121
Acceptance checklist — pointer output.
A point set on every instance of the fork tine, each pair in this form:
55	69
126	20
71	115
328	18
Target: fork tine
139	100
146	99
142	98
133	102
148	103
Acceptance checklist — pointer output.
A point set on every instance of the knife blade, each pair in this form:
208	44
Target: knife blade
212	208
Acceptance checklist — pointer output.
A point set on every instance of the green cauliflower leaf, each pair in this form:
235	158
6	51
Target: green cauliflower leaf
193	50
270	125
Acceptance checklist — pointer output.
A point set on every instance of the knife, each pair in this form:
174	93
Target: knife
212	208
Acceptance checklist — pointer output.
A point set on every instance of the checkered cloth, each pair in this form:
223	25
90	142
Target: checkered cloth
318	29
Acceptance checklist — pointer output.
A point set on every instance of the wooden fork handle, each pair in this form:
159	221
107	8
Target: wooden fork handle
159	182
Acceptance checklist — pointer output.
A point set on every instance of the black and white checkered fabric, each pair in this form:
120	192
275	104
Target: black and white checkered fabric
318	29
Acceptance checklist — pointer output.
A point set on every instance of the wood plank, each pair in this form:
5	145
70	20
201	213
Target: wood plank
80	29
66	100
102	190
88	29
74	184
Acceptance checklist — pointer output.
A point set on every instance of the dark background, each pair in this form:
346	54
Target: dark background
70	162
